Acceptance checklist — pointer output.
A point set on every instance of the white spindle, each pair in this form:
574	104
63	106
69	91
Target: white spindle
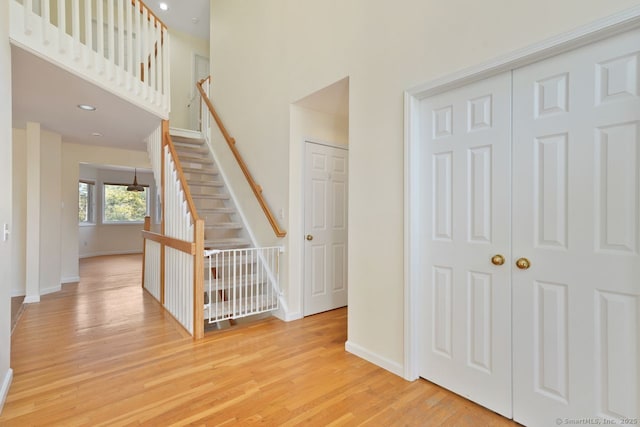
62	26
99	35
75	28
152	268
111	34
146	52
138	50
88	34
152	59
121	67
46	19
130	66
165	68
28	16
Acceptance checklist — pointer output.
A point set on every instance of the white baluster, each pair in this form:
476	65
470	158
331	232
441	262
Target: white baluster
99	35
46	19
165	69
111	33
138	51
121	65
28	16
62	26
88	35
145	52
130	64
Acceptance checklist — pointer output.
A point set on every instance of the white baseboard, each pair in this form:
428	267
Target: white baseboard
70	279
50	290
30	299
17	293
105	253
389	365
4	389
287	317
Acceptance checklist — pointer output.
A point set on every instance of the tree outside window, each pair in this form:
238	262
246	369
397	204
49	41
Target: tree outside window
86	202
121	205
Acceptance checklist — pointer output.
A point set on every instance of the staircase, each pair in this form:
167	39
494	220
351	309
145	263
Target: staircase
223	226
238	279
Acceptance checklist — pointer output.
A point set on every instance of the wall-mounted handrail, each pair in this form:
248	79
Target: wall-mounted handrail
257	190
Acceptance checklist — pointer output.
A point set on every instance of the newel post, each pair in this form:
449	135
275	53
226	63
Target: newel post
198	280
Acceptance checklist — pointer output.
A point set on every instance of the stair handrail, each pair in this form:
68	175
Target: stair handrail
166	140
231	142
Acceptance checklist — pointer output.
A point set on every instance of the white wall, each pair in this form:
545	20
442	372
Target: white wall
5	203
183	47
48	215
72	156
19	213
108	239
50	211
266	54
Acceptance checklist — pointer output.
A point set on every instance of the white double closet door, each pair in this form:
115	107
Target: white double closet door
537	166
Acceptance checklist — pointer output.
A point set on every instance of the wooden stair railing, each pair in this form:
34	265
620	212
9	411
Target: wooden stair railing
194	248
231	142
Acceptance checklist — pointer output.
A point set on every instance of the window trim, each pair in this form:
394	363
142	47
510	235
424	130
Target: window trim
91	203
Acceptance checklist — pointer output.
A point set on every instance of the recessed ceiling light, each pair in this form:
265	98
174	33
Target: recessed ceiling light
86	107
164	6
96	134
195	20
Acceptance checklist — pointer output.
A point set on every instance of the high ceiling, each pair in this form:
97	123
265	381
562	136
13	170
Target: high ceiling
187	16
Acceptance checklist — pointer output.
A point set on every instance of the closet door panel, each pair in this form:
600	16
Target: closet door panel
576	193
465	344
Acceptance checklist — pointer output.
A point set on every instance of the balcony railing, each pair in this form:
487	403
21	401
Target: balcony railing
119	45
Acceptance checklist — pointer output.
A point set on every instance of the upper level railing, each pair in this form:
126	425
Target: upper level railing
119	45
203	88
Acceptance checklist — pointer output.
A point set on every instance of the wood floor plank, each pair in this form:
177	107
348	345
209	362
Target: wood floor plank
103	352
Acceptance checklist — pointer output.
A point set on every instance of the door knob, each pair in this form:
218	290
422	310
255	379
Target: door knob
523	263
309	237
497	259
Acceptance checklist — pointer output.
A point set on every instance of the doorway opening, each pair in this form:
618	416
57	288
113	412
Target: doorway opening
322	119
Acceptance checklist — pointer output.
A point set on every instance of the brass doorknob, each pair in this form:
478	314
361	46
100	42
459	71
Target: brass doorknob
309	237
523	263
497	259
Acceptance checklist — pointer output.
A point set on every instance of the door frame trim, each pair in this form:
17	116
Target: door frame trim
598	30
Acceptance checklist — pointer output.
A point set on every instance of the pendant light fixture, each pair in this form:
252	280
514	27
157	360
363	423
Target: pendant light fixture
135	186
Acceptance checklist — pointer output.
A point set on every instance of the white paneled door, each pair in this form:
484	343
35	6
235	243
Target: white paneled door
576	194
325	222
466	317
538	167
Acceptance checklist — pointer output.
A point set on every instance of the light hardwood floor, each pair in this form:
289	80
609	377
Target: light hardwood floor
103	353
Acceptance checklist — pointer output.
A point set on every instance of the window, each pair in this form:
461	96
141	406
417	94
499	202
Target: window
125	206
86	202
